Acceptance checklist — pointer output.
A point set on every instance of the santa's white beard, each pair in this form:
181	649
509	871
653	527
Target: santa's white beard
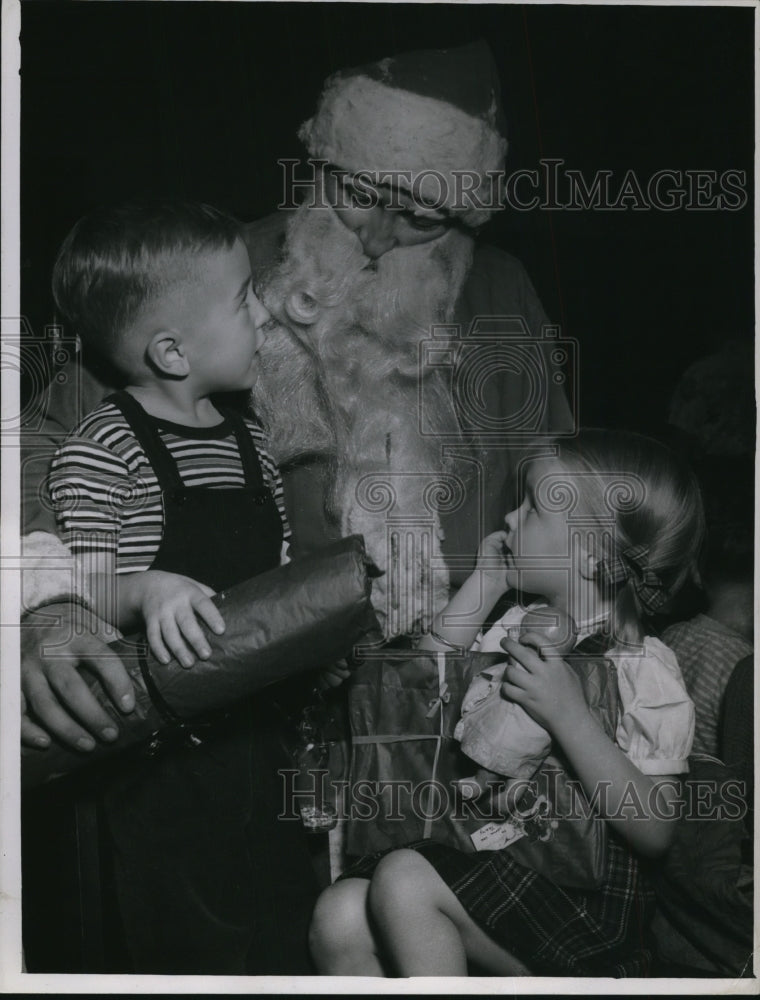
341	378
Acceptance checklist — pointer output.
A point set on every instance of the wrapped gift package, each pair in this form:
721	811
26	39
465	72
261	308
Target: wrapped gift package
403	709
405	763
294	618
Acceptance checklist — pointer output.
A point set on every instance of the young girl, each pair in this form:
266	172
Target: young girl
609	528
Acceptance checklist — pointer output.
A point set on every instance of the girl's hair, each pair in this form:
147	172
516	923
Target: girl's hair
651	501
117	258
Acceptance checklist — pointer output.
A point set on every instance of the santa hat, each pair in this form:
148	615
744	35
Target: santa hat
417	113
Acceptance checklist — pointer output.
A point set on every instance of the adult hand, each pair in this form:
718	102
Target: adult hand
547	688
55	699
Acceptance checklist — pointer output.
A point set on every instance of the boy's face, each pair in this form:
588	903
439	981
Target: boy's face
225	324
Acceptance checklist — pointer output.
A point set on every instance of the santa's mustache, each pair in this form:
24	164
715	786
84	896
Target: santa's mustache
325	284
350	326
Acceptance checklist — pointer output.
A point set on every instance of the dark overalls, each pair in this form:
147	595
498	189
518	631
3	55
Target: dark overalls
208	880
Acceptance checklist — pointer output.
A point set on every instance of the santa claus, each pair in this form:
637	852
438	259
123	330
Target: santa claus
403	370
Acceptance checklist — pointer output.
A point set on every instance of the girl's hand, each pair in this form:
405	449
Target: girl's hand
170	606
548	689
492	559
334	675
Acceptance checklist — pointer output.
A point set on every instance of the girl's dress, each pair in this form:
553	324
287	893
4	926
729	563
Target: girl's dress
564	931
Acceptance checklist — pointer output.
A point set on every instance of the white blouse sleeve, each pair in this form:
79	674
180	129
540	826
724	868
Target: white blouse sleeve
656	725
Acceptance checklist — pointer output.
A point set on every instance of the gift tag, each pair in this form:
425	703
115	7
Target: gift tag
496	836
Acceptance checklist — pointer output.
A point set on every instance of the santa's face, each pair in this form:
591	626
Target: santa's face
382	216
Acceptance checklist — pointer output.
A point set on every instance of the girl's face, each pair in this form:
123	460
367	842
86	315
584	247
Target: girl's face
539	538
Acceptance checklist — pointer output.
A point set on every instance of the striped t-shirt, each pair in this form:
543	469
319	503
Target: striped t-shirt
107	498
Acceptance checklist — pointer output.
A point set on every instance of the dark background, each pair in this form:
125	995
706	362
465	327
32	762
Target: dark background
201	99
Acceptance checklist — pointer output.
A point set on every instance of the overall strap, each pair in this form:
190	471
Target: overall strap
254	478
159	456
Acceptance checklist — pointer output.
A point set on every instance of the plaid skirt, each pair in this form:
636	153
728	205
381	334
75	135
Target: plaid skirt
553	930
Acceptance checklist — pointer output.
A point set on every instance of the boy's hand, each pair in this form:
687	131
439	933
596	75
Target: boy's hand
170	606
548	689
492	559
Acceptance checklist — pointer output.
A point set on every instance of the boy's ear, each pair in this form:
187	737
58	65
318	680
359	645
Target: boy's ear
166	354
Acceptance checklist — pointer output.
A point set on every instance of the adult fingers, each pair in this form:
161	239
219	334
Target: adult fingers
110	670
210	614
56	720
31	734
76	697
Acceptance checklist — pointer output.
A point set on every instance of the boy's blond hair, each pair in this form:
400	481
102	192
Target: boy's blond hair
116	260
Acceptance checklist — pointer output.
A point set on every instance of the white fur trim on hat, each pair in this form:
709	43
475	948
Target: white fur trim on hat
363	124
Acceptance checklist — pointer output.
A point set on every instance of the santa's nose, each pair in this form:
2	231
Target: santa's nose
377	232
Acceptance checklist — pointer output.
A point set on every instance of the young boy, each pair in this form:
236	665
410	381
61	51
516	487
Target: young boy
164	294
174	493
